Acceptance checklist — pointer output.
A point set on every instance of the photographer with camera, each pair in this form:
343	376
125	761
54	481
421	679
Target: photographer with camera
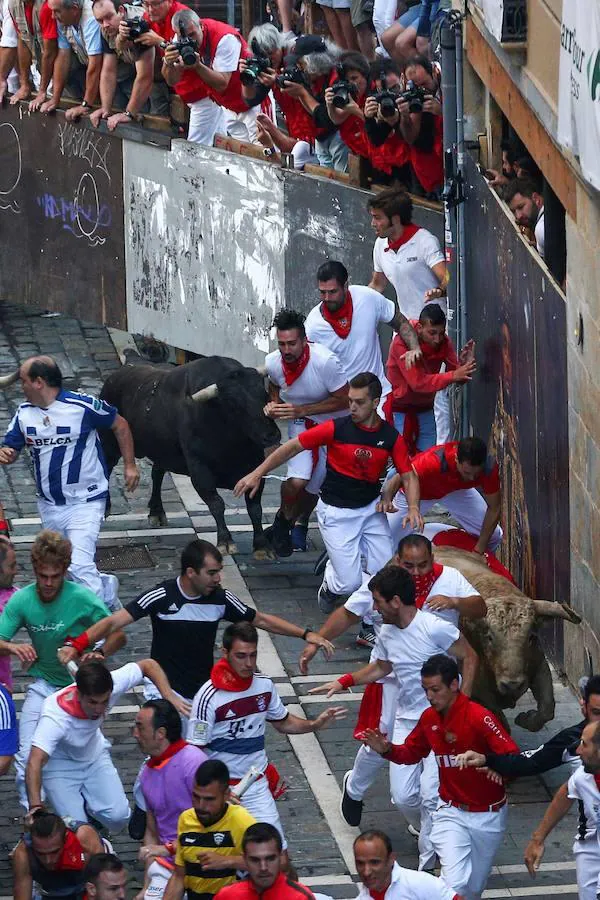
264	71
127	76
388	151
345	98
420	108
202	66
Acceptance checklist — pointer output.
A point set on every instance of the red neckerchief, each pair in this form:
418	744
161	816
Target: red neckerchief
68	700
72	855
155	761
597	780
293	370
407	234
341	320
225	679
378	895
429	352
424	583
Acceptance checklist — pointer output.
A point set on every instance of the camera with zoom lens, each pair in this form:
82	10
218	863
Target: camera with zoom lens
415	96
188	47
294	74
137	27
386	99
343	90
255	66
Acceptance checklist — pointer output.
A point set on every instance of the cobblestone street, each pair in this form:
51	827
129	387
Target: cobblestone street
320	843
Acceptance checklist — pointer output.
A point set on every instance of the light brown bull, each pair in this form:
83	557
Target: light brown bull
511	658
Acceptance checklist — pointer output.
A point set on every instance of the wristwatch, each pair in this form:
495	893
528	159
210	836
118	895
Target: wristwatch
306	631
85	104
130	115
163	45
269	151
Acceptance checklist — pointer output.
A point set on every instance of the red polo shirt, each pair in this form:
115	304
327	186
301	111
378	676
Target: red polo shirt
282	889
438	473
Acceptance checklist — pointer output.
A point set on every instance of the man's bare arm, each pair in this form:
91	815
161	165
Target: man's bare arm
33	776
22	880
559	806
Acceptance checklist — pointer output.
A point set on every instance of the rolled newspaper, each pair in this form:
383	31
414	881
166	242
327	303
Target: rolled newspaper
252	775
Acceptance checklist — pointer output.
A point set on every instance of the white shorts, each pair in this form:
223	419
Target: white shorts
259	801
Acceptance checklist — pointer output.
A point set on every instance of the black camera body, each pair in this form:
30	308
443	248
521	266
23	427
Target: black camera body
291	73
415	96
188	47
137	27
255	66
343	90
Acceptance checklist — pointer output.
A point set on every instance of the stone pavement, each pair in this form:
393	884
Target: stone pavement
320	842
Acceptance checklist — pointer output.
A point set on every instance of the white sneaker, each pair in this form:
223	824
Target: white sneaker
110	590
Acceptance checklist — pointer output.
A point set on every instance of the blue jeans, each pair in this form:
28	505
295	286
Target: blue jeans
332	152
427	433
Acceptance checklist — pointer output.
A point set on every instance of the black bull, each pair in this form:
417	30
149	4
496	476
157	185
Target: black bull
215	437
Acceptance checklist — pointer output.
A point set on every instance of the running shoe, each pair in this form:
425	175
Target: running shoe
326	600
366	636
350	809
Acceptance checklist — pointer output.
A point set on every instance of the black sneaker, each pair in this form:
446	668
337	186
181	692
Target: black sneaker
350	809
366	636
279	536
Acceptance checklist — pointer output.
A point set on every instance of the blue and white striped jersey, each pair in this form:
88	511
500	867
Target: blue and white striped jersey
67	456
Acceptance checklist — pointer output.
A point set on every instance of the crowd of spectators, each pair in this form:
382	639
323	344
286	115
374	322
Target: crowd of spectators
370	87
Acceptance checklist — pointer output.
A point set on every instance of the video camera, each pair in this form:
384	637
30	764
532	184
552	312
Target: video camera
415	96
386	98
292	73
255	66
137	27
343	90
188	47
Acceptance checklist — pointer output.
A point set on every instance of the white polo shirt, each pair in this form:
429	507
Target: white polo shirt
323	375
361	350
407	649
63	733
409	885
409	270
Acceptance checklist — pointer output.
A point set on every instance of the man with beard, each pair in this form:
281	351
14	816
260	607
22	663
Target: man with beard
209	837
527	205
307	385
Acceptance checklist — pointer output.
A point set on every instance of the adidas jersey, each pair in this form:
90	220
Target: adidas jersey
230	725
63	441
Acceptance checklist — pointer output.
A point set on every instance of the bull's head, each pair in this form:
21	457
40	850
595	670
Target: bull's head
6	380
508	636
243	397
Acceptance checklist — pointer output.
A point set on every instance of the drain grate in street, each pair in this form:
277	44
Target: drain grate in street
118	558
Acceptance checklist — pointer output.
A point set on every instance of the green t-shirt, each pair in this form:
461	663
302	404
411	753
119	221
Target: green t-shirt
49	624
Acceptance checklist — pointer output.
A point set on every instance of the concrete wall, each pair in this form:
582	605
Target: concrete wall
583	341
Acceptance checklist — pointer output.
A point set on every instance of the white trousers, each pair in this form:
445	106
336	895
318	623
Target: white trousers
242	125
206	118
260	803
78	788
367	763
441	411
158	878
467	506
415	791
80	523
384	15
587	867
466	843
31	710
348	534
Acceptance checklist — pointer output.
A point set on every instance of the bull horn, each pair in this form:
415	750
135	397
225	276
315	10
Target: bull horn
262	370
207	393
556	611
6	380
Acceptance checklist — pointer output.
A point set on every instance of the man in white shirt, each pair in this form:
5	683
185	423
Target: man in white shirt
411	260
60	429
307	385
526	203
583	787
441	590
381	876
407	638
230	714
70	753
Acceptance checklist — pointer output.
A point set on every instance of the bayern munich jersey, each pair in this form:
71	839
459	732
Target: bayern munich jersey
67	456
230	725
